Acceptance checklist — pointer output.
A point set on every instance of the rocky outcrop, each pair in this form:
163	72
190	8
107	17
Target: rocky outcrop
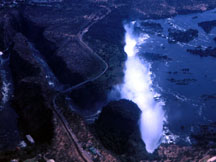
176	35
155	57
151	27
207	26
116	123
210	51
205	135
185	81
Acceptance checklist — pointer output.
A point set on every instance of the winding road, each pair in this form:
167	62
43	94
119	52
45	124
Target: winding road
83	154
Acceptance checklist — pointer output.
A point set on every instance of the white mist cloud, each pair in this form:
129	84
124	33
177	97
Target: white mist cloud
130	50
137	87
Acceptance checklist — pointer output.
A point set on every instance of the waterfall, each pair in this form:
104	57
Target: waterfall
137	87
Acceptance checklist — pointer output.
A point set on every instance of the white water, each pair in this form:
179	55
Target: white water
137	87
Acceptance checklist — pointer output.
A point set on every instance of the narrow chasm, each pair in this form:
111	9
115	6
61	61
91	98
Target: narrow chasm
27	105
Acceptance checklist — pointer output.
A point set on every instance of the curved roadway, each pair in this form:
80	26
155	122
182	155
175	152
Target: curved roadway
72	136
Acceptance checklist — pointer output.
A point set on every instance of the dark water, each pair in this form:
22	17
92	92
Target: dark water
186	82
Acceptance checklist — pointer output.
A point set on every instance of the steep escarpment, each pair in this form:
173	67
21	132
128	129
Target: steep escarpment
61	45
54	48
37	71
35	34
118	120
25	97
34	114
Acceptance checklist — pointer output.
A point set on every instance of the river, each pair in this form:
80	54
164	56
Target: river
175	86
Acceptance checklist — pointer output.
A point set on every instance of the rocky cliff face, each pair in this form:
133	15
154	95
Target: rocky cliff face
42	62
47	55
117	122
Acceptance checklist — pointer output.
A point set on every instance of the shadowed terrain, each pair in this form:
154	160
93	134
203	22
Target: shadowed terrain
64	59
